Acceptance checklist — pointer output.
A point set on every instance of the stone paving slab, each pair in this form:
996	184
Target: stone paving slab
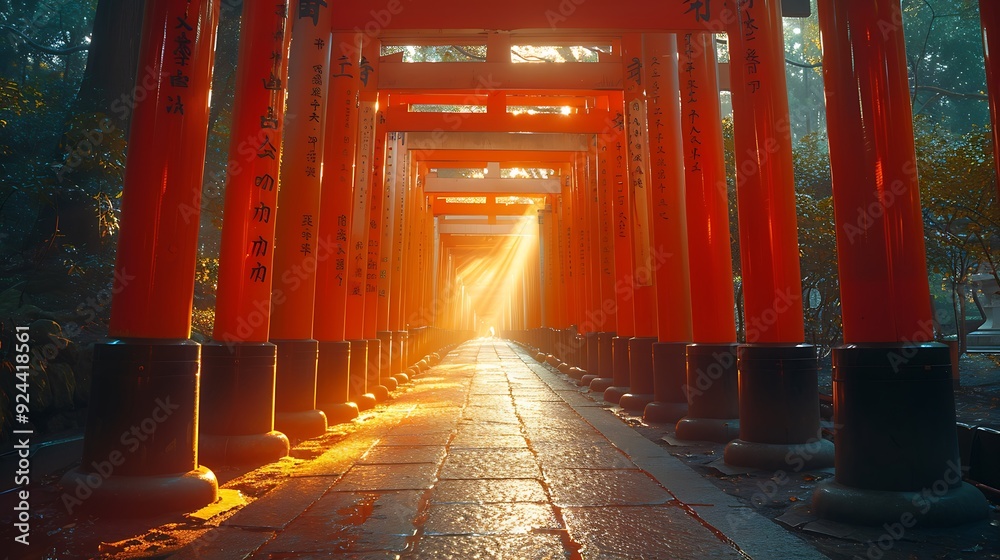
485	547
491	490
404	454
345	522
582	456
503	463
223	543
489	519
642	532
284	503
376	478
470	440
585	487
492	455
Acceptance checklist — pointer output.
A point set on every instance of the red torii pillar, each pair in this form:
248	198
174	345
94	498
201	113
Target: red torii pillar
608	180
595	234
238	367
712	382
897	457
605	237
382	269
559	346
640	347
298	247
549	281
376	200
989	16
401	240
418	314
335	357
621	206
589	221
668	211
562	223
145	378
357	260
389	270
778	373
584	343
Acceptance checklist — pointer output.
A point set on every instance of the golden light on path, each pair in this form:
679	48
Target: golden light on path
491	272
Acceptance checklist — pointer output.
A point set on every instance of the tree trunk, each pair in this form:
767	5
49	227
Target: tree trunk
107	84
112	59
962	342
740	327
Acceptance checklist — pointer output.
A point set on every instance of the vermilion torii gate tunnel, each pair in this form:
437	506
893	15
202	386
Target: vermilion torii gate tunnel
356	243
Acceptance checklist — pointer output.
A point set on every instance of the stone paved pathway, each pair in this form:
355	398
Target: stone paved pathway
485	457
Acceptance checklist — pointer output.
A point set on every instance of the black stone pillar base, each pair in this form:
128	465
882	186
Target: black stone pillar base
237	419
779	410
603	377
640	352
619	373
333	380
303	424
251	449
605	354
712	393
897	446
359	376
669	370
591	354
941	507
397	360
295	412
142	495
601	384
140	454
385	362
373	379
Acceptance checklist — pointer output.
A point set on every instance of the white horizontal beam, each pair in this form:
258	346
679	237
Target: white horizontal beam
434	184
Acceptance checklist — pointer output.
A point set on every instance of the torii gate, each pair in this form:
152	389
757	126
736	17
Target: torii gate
333	281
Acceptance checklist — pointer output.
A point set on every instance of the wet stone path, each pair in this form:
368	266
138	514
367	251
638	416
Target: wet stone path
483	458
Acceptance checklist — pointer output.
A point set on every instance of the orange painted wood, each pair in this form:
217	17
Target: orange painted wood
246	260
621	206
376	218
299	249
637	166
881	256
707	200
772	285
161	199
357	259
665	190
338	189
371	19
